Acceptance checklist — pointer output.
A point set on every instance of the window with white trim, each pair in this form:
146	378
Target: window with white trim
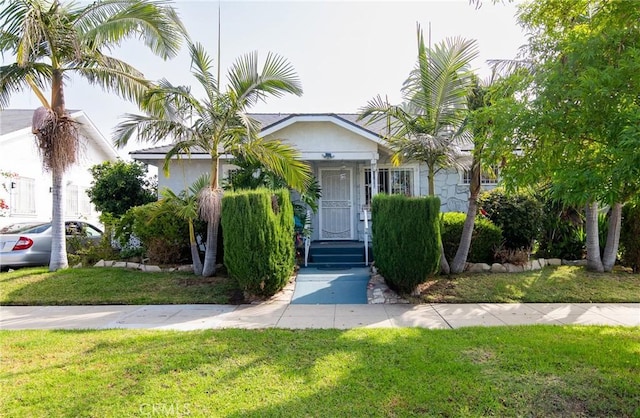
490	177
71	207
390	181
24	202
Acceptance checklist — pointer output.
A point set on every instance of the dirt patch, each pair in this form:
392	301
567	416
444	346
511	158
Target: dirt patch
437	291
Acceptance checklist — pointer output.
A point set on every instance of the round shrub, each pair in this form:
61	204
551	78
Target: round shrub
518	215
485	240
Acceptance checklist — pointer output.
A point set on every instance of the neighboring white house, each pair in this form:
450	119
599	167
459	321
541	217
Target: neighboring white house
348	157
25	187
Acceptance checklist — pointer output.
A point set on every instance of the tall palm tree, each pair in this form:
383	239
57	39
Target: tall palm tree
423	128
426	125
52	41
219	124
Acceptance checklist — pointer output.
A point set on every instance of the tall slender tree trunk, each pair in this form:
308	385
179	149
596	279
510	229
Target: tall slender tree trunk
594	262
431	181
212	213
195	254
58	237
59	258
613	237
460	259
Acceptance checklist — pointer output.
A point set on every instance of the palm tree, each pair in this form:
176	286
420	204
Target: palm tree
424	126
52	41
184	205
219	124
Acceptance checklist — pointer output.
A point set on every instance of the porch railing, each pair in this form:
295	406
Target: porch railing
307	237
366	237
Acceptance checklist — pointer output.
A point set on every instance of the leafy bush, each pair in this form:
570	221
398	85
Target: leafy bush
630	236
164	237
406	239
518	215
118	186
485	240
258	239
562	234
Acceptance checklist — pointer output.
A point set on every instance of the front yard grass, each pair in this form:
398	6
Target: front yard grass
549	285
103	286
111	286
501	371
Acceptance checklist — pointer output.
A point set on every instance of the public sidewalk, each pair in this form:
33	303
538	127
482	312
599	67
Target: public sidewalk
284	315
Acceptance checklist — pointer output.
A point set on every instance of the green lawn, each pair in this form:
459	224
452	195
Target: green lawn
503	371
103	286
551	284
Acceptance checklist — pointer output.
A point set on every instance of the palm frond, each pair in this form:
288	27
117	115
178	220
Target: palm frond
281	159
201	67
148	129
248	86
112	75
14	79
108	22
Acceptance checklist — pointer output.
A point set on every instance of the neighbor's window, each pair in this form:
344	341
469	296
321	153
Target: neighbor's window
25	196
390	181
71	207
490	177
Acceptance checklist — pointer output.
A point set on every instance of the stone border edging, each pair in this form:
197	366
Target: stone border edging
536	264
141	266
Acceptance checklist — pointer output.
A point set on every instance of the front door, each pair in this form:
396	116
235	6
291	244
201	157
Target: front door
336	204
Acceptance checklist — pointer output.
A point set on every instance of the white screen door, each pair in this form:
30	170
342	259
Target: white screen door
336	218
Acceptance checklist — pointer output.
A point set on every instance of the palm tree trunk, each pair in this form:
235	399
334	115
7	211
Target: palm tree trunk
58	239
613	237
59	258
460	259
431	180
594	262
195	254
212	215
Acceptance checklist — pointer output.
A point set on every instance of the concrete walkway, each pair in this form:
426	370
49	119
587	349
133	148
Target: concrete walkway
285	315
330	286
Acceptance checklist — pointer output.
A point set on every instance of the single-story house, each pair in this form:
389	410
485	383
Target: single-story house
25	186
349	158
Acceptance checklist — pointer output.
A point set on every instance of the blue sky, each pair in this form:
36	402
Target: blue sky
344	52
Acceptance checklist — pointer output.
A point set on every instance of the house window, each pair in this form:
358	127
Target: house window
25	196
491	177
86	208
390	181
71	208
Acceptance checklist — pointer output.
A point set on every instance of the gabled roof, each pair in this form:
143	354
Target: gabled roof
14	120
273	122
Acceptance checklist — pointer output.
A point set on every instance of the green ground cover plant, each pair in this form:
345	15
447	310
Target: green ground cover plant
106	286
501	371
549	285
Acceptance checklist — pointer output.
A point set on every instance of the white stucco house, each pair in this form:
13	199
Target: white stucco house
25	187
348	157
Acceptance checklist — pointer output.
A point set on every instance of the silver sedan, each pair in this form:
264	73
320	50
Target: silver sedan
29	243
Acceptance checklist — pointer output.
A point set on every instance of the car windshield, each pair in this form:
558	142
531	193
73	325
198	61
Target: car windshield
25	228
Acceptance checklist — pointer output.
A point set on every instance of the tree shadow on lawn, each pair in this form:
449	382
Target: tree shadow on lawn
240	373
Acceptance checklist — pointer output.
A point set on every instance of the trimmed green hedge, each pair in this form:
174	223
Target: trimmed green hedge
406	239
258	239
486	238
